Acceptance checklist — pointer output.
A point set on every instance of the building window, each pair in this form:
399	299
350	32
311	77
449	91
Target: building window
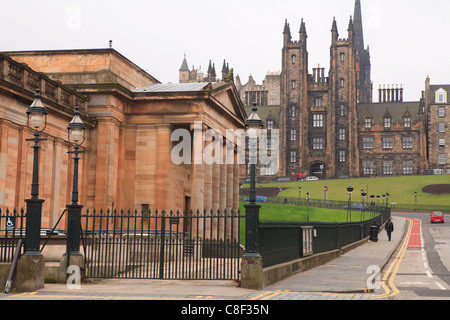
368	123
293	112
293	156
293	135
270	124
342	82
342	56
342	110
270	169
342	155
293	84
441	127
318	102
442	158
318	120
441	96
368	143
387	143
441	143
407	142
341	134
441	112
367	167
318	143
387	167
407	122
407	167
293	58
387	123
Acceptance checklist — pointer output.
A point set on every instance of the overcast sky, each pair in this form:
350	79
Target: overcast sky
408	39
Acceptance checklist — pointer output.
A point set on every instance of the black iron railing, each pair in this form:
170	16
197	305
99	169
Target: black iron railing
12	228
281	242
161	245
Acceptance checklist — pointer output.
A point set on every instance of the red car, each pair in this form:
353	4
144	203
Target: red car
437	216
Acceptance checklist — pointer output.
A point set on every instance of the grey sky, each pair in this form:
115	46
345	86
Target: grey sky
408	39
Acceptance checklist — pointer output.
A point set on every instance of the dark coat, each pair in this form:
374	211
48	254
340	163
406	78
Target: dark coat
389	226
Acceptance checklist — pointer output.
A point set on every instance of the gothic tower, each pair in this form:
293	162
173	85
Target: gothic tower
318	118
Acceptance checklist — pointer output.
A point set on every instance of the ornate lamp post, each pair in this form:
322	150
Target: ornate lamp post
253	126
349	190
76	136
363	196
307	206
372	204
36	123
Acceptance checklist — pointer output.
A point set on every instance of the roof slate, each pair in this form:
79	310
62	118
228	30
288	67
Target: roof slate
396	110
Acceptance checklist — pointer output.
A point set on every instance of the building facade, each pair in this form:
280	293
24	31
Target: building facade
392	136
437	112
130	119
318	108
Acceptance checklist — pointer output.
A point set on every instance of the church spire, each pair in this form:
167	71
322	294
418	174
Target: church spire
358	27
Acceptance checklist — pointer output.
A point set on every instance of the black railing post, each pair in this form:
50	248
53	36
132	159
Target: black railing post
161	253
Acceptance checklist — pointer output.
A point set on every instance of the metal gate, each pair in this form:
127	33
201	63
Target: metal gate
145	245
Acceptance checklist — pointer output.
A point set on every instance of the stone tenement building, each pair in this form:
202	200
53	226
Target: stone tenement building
267	94
437	123
130	117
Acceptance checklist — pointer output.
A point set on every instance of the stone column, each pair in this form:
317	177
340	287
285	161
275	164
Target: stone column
198	174
223	184
163	188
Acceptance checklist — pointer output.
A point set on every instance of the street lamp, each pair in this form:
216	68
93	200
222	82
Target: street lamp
76	136
307	206
36	123
349	190
253	127
363	196
372	204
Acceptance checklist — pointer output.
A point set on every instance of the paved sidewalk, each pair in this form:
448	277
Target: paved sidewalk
335	280
349	272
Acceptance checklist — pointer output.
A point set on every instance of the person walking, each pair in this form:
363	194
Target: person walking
389	228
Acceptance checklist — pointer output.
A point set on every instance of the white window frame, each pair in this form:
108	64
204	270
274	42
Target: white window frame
440	96
318	120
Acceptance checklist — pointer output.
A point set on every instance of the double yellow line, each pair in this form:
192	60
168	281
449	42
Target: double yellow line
387	282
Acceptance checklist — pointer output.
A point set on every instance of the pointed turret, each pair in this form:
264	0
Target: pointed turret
184	73
303	35
287	32
351	30
184	65
334	31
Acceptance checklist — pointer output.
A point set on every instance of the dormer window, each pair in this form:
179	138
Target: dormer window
368	123
387	123
441	96
407	122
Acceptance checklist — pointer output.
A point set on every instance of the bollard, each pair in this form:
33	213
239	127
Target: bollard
374	233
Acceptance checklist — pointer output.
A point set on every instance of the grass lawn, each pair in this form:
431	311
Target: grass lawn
279	212
401	189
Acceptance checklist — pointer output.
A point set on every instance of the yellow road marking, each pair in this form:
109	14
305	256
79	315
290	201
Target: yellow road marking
393	269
